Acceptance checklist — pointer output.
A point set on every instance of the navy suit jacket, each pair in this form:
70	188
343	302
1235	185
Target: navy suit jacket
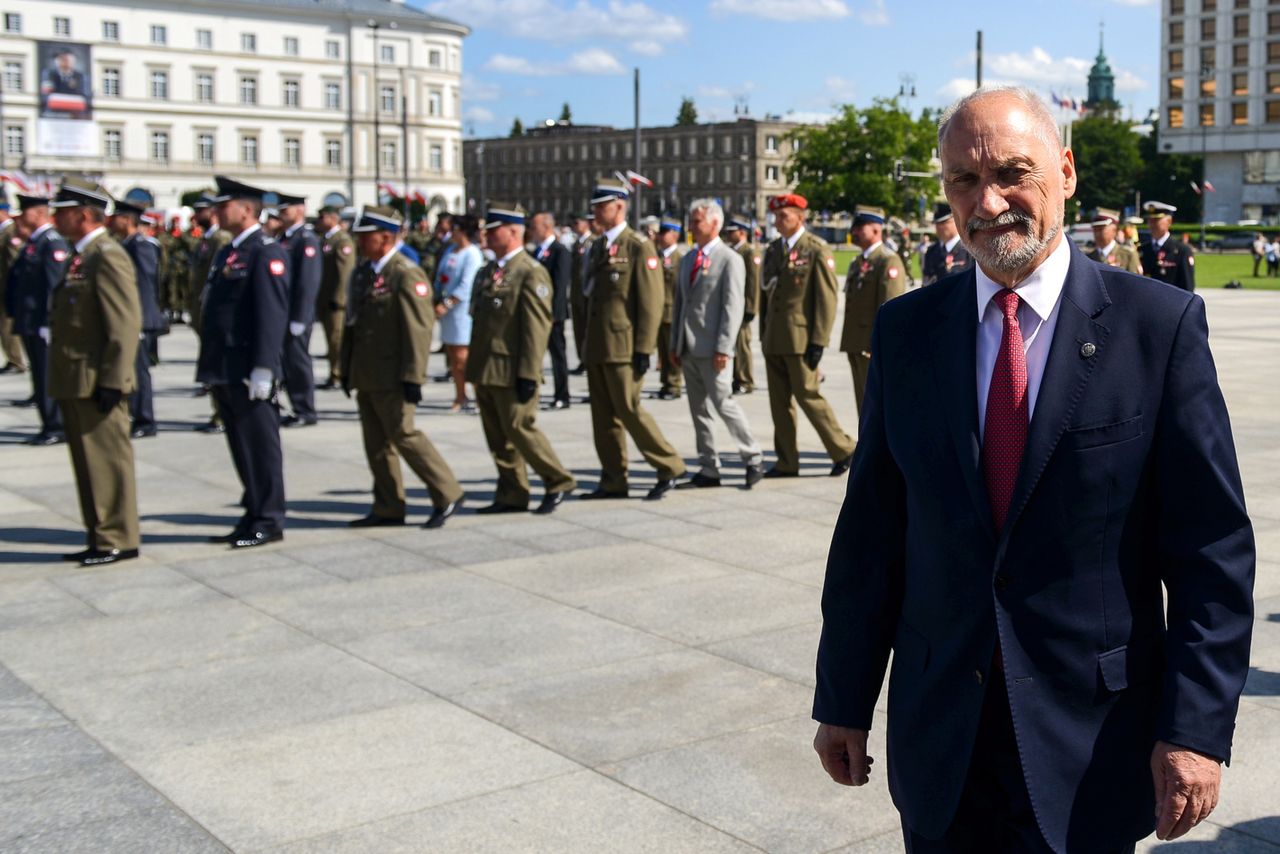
145	252
306	264
246	311
36	271
1129	480
559	265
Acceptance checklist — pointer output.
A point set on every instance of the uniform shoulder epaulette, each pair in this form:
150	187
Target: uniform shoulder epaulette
151	240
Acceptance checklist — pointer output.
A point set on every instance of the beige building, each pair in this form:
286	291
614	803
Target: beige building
554	167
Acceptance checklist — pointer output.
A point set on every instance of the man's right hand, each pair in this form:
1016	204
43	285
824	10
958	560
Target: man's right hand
843	752
675	360
812	356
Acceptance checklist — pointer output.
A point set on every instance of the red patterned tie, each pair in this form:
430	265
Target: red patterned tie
697	265
1005	435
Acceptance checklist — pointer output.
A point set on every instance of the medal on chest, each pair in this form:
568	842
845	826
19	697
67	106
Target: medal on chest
230	265
379	287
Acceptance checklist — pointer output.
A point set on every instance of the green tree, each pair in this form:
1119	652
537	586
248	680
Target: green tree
517	128
1167	177
688	114
566	115
850	160
1108	162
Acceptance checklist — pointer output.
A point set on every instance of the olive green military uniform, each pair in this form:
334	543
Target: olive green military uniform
201	260
671	376
743	375
511	310
10	247
872	281
577	296
385	345
172	285
95	318
802	291
339	259
624	307
1123	256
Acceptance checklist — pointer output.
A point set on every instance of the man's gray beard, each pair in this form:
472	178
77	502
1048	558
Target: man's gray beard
1005	254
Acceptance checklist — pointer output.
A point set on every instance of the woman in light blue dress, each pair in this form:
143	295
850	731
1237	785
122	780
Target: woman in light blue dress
454	276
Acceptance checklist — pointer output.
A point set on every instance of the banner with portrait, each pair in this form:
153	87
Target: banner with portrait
64	124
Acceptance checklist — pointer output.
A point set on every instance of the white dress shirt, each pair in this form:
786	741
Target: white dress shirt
612	234
950	245
1041	294
244	235
791	241
89	238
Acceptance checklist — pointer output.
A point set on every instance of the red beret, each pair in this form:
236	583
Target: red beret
790	200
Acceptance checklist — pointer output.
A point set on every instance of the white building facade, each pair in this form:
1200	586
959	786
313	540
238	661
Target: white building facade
323	98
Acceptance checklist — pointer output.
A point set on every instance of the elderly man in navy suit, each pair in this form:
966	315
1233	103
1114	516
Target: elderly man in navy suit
1044	446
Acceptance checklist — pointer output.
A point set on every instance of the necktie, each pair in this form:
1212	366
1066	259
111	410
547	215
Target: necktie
1005	434
697	265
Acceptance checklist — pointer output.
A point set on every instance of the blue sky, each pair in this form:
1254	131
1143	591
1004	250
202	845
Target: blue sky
794	58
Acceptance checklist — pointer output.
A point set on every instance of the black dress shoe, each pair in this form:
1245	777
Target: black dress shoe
774	472
667	394
251	539
100	557
76	557
559	404
25	403
578	371
372	521
495	507
297	421
142	433
11	368
441	514
211	427
597	494
841	466
660	489
328	385
743	391
46	439
754	476
699	481
550	502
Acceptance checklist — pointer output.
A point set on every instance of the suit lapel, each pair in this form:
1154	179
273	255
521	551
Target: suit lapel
954	361
1066	374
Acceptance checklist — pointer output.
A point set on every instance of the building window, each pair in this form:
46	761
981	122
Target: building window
771	144
1239	113
771	174
388	53
659	148
1208	5
13	75
204	148
111	31
12	22
159	34
692	174
1175	117
111	82
249	150
1273	112
1206	115
1273	23
1208	29
744	174
726	174
291	93
433	58
1175	60
1240	55
1208	57
62	26
710	173
292	152
387	99
1273	52
389	159
1273	82
1208	88
333	96
248	89
15	141
434	103
1240	26
333	154
332	50
204	39
160	85
159	146
204	87
1175	88
290	46
1177	7
1240	84
248	43
435	158
1175	32
111	144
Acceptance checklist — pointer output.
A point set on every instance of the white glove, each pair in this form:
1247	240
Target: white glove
259	384
296	329
44	333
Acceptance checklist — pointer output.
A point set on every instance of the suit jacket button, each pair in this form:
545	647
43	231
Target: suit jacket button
1002	582
977	674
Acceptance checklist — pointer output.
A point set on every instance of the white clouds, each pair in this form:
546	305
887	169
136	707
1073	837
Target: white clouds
713	92
874	15
954	88
592	62
480	90
810	117
785	10
635	24
1037	68
478	114
840	89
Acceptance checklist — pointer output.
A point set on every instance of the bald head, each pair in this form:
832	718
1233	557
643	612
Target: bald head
1032	111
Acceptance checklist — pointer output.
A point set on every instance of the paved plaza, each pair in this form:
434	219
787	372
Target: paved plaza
620	676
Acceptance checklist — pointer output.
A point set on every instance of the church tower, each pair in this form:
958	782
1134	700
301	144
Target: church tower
1102	84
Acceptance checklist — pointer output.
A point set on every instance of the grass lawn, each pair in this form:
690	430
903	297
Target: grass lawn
1213	270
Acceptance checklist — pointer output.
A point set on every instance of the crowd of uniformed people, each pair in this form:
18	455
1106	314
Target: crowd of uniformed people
90	284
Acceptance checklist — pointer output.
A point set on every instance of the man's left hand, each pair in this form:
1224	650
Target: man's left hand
719	361
1186	784
296	329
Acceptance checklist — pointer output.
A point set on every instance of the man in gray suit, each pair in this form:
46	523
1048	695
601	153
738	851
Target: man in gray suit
706	314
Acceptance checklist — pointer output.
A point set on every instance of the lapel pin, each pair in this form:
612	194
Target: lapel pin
1087	349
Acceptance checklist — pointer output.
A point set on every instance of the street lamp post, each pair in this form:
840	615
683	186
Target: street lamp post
377	127
1206	73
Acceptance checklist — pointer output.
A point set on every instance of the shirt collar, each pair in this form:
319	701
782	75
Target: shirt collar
41	230
612	234
382	262
666	253
872	248
711	246
951	244
242	236
791	241
331	232
1040	290
1108	249
544	245
1159	244
502	262
288	232
211	230
89	238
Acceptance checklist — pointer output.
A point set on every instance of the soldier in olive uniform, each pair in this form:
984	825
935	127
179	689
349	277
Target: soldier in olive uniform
384	358
511	307
10	246
876	277
583	238
1163	257
95	321
172	281
669	245
339	260
1106	249
624	306
737	233
212	239
799	276
419	239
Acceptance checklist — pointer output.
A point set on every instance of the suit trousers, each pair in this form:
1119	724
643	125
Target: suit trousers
578	311
333	322
515	439
141	402
860	364
559	361
38	363
615	407
299	380
708	390
669	374
10	343
386	420
743	375
102	458
253	437
790	378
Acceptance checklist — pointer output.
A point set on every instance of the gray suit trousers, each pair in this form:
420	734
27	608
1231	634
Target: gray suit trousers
706	390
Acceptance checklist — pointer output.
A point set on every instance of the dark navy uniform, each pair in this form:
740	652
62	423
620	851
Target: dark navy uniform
940	261
245	317
557	259
1171	262
38	269
145	253
306	267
